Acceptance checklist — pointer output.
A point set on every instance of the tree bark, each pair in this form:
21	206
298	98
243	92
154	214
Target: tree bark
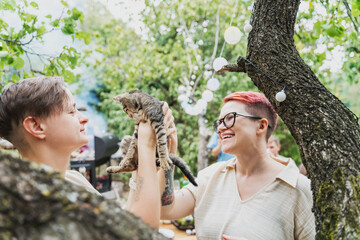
327	132
203	151
37	204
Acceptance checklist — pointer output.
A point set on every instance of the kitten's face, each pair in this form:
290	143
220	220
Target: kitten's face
129	100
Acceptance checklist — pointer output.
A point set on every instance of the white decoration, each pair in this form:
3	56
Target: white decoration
207	74
207	95
201	103
232	35
280	96
247	28
193	77
182	98
182	89
184	104
200	42
192	83
219	63
213	84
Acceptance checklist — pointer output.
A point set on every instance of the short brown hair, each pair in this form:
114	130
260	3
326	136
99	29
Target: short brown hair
256	104
39	97
275	139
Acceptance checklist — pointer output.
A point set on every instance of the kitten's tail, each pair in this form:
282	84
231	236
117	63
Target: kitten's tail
180	163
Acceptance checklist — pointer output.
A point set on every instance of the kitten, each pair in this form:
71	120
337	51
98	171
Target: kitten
140	106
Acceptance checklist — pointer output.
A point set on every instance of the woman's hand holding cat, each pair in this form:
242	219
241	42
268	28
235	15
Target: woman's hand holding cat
170	128
146	135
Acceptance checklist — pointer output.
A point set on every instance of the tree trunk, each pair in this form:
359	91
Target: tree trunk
327	132
203	151
37	204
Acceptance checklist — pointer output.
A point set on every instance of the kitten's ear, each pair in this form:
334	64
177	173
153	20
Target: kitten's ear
33	125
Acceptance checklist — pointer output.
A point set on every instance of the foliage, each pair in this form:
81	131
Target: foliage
17	42
178	47
327	37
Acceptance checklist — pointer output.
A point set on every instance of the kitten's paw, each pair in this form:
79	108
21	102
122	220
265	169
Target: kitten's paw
113	169
164	165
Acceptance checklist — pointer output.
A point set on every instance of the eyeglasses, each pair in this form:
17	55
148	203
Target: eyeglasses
229	120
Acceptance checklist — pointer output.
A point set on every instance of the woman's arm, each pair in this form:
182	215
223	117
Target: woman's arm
144	200
181	204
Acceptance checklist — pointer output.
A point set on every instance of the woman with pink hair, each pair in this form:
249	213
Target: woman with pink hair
251	196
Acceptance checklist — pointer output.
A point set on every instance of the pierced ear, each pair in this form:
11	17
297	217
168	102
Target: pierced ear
33	126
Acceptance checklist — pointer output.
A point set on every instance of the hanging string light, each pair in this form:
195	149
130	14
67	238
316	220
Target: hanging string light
281	96
247	28
219	63
232	35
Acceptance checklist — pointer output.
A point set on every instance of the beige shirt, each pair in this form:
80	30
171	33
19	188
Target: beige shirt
77	178
280	210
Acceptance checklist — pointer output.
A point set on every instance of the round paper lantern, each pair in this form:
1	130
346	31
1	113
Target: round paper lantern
207	95
207	74
182	89
247	28
232	35
219	63
213	84
201	103
280	96
182	98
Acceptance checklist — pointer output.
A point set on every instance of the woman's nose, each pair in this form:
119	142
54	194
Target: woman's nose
82	118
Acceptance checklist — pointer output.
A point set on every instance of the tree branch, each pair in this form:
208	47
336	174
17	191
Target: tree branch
348	10
238	67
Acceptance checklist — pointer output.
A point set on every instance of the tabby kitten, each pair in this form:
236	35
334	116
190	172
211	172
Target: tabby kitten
140	106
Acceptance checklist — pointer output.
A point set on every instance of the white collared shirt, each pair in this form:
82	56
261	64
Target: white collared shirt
281	210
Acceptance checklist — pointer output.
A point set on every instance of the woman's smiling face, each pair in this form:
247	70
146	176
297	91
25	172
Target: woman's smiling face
66	129
240	134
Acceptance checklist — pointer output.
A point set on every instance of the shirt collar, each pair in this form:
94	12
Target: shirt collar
289	174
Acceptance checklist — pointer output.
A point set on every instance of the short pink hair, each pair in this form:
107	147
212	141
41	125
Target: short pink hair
256	104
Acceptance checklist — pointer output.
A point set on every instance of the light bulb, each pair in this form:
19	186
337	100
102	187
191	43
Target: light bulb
219	63
232	35
247	28
207	95
181	89
280	96
182	98
213	84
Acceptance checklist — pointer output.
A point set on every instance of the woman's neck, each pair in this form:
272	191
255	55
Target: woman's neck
57	160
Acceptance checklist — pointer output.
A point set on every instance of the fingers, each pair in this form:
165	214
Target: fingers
168	119
227	237
171	131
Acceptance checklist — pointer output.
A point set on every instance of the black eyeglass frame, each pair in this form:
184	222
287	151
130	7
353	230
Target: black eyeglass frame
222	120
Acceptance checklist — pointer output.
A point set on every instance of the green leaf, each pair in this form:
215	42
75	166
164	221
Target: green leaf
10	60
15	77
19	63
334	31
69	76
84	35
69	27
355	12
64	3
7	5
55	23
317	29
41	30
76	14
34	5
